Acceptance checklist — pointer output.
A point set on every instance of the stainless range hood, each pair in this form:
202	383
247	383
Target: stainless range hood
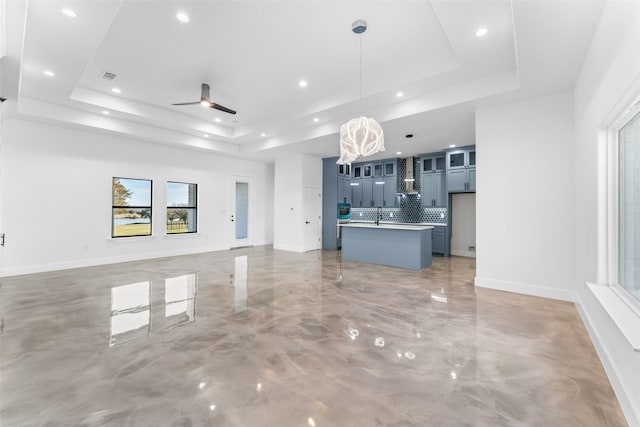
409	178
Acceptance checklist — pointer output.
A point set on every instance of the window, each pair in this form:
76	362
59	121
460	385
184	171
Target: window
182	208
629	207
131	207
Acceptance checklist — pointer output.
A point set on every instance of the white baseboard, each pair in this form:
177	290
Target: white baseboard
290	248
630	408
467	254
90	262
525	288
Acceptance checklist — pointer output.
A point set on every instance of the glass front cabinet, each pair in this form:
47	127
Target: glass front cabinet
461	170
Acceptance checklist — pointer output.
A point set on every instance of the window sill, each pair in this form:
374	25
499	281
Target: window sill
622	315
130	239
181	235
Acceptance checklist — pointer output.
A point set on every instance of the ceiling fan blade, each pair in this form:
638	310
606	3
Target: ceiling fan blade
188	103
221	108
205	93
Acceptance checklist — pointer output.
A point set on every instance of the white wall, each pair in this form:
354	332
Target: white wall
292	174
608	82
463	220
56	193
524	199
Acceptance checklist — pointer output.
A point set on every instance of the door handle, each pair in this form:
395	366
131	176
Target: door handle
307	222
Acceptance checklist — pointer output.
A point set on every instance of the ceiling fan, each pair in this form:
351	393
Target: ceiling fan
205	101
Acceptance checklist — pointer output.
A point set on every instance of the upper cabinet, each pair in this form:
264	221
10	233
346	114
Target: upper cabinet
344	181
430	163
433	180
389	167
461	170
357	171
374	184
344	170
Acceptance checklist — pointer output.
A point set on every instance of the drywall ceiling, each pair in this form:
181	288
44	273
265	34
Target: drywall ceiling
253	54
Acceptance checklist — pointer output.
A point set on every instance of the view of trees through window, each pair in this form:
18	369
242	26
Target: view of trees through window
131	207
182	206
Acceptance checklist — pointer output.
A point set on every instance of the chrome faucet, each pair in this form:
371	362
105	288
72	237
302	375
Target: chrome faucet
378	215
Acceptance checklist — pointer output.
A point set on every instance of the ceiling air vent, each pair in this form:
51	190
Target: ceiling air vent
108	76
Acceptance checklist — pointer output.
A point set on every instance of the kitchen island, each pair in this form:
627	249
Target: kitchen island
396	245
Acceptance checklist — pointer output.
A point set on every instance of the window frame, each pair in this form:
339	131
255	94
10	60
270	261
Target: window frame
194	208
113	207
613	205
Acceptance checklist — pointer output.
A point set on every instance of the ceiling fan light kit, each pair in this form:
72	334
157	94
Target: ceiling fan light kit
360	136
205	101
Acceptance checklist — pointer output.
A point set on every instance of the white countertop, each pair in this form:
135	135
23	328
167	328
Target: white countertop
414	224
387	226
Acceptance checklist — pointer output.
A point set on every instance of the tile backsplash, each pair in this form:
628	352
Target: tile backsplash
409	211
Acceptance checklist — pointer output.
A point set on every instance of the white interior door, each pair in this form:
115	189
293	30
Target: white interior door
312	215
242	211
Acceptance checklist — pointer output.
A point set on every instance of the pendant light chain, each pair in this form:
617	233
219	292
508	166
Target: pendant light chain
360	38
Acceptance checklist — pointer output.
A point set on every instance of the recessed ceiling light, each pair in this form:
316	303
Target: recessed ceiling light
217	119
182	17
315	119
48	73
481	32
452	146
398	153
263	134
206	135
70	13
105	112
303	83
400	94
116	90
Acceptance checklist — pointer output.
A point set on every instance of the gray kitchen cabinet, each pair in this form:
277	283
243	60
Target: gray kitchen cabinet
433	187
438	235
356	192
377	169
390	167
356	170
344	170
344	181
390	191
384	191
433	180
457	180
367	192
378	192
344	189
461	170
472	179
434	162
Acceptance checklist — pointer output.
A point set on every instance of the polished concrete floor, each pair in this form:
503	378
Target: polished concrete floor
257	337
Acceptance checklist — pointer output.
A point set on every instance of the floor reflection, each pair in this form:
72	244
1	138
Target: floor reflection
180	300
130	312
132	309
240	283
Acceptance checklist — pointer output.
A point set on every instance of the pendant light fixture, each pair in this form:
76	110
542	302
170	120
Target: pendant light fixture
360	136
